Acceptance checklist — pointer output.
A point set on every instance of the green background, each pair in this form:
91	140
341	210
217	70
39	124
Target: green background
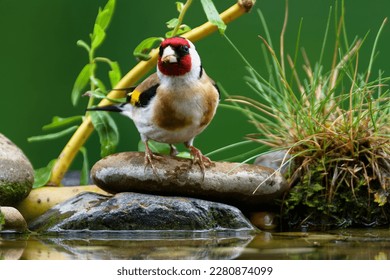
39	59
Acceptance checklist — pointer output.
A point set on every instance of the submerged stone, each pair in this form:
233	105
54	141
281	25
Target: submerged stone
134	211
16	173
245	186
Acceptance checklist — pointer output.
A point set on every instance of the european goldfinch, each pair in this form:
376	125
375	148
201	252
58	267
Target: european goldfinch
174	104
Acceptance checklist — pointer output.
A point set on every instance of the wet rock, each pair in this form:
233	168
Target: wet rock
13	220
16	173
242	185
133	211
42	199
277	160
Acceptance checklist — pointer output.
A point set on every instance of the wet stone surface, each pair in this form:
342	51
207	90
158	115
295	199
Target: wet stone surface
16	173
248	187
133	211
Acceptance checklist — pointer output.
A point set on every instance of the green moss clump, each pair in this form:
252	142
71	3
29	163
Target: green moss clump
2	220
310	204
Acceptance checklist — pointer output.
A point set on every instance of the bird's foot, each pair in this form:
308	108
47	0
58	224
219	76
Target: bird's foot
200	159
149	157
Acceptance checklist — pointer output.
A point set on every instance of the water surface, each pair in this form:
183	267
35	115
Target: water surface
352	244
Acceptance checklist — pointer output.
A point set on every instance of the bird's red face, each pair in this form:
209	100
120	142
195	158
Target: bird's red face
174	57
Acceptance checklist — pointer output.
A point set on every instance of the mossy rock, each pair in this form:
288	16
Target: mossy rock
16	173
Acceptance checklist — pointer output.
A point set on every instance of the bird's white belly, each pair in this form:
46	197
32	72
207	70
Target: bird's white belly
148	128
173	137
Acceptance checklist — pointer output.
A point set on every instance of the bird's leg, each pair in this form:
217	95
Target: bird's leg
149	157
199	158
173	152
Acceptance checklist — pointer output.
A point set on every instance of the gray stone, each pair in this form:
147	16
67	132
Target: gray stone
242	185
72	178
133	211
277	160
13	220
16	173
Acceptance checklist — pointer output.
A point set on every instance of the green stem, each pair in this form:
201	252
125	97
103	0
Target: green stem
103	59
92	77
373	119
181	17
374	49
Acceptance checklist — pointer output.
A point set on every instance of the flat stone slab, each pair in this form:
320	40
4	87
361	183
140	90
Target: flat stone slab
243	185
16	173
134	211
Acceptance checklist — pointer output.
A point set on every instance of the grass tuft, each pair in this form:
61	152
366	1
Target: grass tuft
335	124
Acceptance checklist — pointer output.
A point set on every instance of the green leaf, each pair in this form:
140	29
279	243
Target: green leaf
98	83
80	83
84	176
179	6
42	175
182	29
97	37
84	45
161	148
100	95
102	19
107	131
172	23
143	49
184	155
155	147
57	122
213	15
2	220
52	136
104	16
114	74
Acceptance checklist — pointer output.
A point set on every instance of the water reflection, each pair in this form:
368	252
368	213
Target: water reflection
354	244
128	245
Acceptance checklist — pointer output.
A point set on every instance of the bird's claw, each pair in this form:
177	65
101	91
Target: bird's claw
198	158
149	157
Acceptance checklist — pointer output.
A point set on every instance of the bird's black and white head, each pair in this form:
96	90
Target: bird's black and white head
178	58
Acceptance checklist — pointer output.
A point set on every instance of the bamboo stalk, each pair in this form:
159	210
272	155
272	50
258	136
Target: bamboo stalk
132	77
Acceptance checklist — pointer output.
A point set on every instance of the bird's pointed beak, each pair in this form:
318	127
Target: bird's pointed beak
169	59
169	56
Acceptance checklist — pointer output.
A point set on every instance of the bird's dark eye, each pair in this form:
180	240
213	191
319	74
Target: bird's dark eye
161	51
184	49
